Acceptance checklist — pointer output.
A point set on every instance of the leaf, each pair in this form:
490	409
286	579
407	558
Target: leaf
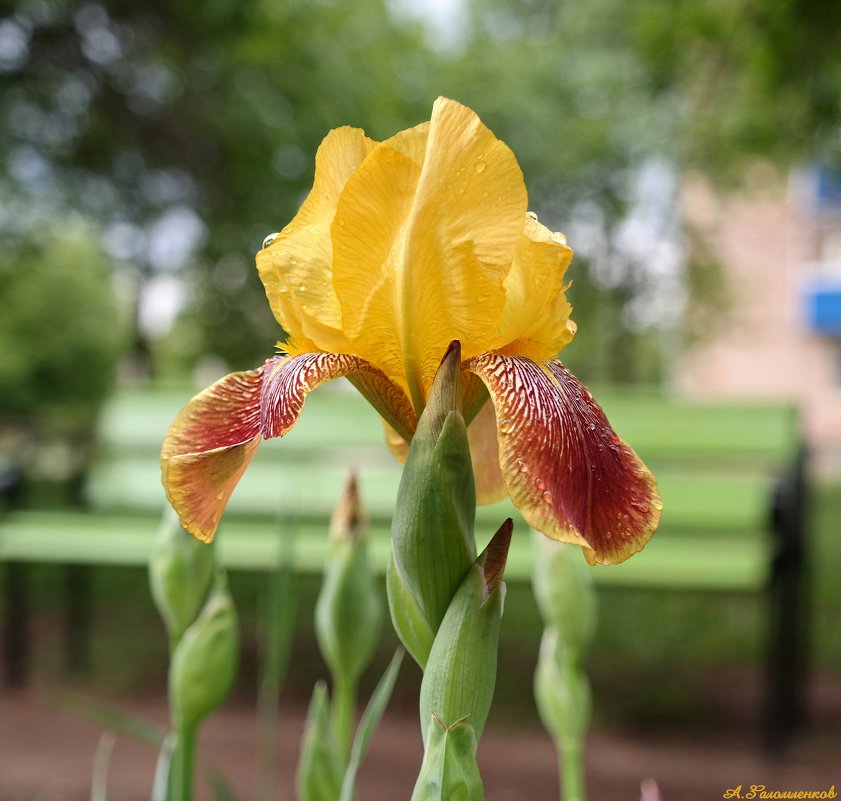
370	719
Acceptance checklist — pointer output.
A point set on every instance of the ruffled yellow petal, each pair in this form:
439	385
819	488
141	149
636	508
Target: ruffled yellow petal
296	268
465	222
369	256
535	322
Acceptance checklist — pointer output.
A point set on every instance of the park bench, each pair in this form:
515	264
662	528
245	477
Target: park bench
731	477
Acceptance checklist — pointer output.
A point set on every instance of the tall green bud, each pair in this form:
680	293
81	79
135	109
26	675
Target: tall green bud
180	574
563	587
204	662
348	615
567	602
433	545
459	679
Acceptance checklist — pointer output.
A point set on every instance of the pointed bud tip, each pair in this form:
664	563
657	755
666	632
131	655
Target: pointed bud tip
492	561
445	394
348	519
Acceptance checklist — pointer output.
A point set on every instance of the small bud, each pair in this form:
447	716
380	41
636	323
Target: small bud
433	545
460	676
348	615
561	691
180	574
449	770
204	662
563	587
319	774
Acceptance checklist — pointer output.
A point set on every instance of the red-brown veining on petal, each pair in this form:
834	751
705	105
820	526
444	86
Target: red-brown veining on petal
207	448
226	413
287	382
215	436
566	469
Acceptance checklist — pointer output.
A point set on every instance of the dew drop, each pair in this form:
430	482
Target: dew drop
641	507
506	424
220	496
591	426
269	239
548	497
521	466
539	483
480	166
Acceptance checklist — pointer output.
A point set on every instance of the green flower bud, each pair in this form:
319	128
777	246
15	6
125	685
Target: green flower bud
563	587
449	771
461	672
433	545
319	775
562	691
180	574
348	615
204	662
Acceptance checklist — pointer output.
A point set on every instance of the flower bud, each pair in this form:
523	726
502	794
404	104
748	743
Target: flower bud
449	770
204	662
563	587
180	574
348	615
319	774
561	691
459	678
433	545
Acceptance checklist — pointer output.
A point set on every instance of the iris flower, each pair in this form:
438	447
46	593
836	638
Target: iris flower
402	247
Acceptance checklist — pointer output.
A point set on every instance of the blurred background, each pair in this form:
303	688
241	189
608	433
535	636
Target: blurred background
691	152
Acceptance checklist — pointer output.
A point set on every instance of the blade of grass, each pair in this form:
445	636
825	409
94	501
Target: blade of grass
160	784
101	760
368	724
141	730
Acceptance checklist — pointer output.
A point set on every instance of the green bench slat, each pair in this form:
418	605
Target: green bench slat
733	565
338	417
691	500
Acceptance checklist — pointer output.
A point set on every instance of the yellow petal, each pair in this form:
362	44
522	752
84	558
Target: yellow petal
296	267
369	255
465	223
484	451
536	316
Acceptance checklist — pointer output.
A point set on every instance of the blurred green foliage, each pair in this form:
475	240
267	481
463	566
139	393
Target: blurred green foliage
60	327
187	131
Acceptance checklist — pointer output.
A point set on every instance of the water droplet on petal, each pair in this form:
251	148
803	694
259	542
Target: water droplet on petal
521	466
269	239
220	496
480	166
591	426
548	497
539	483
505	425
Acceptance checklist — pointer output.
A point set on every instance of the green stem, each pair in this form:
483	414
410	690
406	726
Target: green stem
184	758
571	762
344	714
